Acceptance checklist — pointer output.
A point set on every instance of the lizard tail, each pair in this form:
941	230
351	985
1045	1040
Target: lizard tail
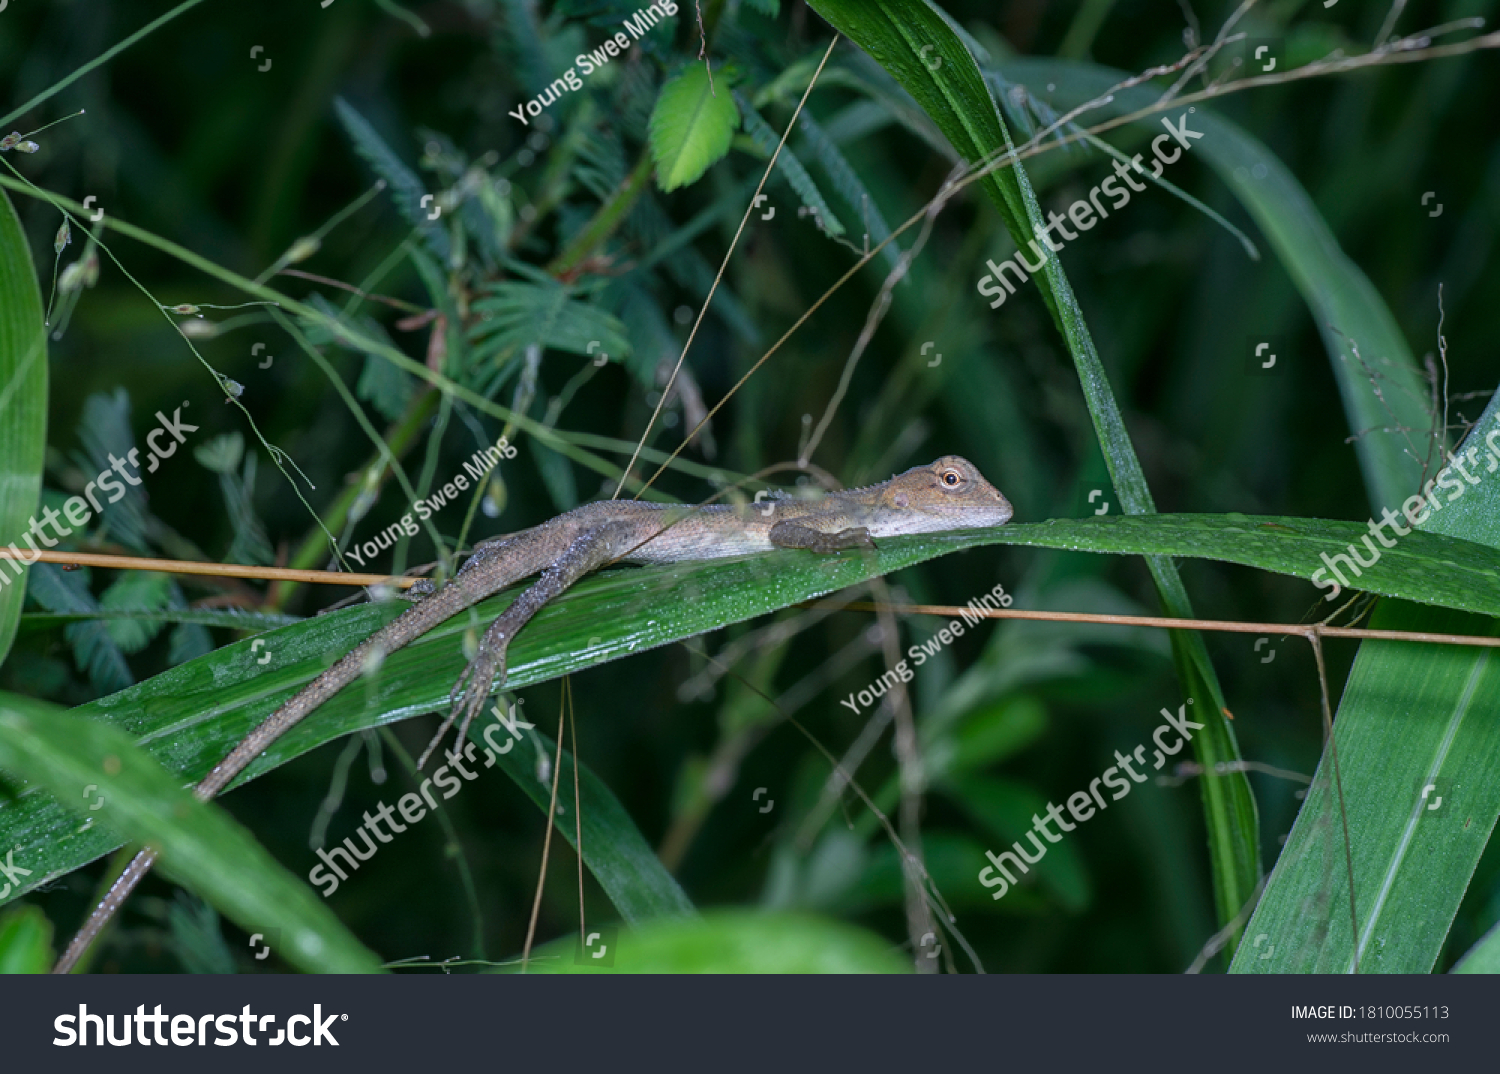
408	626
113	899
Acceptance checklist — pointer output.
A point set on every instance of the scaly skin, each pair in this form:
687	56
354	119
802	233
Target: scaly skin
948	494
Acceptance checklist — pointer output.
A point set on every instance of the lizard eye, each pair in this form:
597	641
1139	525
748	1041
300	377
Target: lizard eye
952	478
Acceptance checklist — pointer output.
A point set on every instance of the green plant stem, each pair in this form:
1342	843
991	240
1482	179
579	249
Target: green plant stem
1084	28
606	220
104	57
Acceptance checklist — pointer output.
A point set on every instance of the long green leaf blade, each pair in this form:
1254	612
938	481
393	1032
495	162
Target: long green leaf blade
23	402
189	716
85	762
729	943
614	849
1418	740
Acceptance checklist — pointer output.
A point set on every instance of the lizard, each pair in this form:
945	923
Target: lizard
948	494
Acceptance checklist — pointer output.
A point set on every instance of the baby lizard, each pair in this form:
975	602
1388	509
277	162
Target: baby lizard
949	494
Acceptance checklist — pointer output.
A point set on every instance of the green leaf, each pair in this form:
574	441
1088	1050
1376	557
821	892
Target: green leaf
1005	809
386	388
233	618
1424	567
95	650
190	716
1484	956
134	591
899	35
765	140
381	384
513	315
25	940
23	401
75	758
851	188
104	430
729	943
986	736
616	853
1251	250
1419	778
196	937
691	126
222	454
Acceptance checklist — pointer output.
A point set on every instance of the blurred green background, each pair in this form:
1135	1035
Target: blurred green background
184	136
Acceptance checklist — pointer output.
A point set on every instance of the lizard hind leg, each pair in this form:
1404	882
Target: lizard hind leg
473	687
591	549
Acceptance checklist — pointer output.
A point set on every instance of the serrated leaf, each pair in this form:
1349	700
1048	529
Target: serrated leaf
250	543
514	315
104	430
96	652
222	454
196	937
691	126
385	387
406	190
765	139
382	384
136	591
187	641
851	188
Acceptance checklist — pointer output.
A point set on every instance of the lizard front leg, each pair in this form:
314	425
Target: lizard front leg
789	534
591	549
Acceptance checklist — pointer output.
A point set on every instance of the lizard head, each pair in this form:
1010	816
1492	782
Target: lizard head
948	494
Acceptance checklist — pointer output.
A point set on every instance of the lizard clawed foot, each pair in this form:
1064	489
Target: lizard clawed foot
470	692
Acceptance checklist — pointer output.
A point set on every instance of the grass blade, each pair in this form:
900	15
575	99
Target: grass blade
77	759
614	849
23	401
1418	741
189	716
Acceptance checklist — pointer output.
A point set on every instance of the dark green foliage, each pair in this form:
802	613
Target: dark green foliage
547	286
